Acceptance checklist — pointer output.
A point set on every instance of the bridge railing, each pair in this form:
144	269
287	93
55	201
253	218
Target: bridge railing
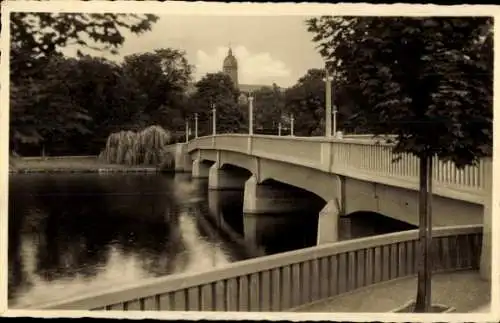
358	157
376	160
284	281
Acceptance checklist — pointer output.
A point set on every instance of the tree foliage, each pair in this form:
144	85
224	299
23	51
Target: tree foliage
92	97
37	36
219	90
47	99
40	110
268	108
162	76
306	101
427	80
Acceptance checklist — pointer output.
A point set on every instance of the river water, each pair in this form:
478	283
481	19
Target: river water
78	233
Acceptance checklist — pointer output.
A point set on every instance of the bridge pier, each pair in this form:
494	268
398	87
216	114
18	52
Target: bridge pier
183	162
328	223
224	179
200	169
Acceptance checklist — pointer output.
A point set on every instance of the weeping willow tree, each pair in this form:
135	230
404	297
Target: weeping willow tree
146	147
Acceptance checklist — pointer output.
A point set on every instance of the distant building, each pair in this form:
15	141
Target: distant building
230	68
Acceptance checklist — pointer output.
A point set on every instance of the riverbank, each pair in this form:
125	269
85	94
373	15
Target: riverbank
71	164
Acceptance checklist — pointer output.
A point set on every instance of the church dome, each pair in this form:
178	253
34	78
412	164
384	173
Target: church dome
230	60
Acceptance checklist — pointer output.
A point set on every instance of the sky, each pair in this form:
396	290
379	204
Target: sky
268	48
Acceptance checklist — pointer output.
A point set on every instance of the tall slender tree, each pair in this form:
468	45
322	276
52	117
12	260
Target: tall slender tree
428	80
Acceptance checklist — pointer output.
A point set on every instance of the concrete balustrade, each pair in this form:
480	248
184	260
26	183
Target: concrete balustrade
284	281
358	157
231	143
378	159
301	149
205	142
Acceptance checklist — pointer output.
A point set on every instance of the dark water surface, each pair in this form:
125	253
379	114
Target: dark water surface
78	233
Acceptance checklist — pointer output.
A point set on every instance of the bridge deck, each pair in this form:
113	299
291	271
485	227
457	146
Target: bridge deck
464	290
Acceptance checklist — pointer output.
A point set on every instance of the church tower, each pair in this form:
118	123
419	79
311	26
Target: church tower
230	67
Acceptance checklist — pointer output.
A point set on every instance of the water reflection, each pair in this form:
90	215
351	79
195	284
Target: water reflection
72	234
203	254
281	232
225	208
225	214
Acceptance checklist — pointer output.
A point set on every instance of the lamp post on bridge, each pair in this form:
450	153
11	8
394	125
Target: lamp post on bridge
279	129
187	131
292	120
335	120
214	120
328	104
196	125
250	114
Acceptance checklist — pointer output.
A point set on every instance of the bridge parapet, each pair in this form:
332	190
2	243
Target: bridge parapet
358	157
287	280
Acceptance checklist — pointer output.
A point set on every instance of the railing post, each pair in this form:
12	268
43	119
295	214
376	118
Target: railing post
328	104
250	115
335	121
214	120
214	124
196	125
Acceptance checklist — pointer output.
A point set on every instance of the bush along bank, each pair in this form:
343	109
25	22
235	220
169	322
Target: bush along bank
125	151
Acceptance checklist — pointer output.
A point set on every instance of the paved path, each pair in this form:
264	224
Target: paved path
463	290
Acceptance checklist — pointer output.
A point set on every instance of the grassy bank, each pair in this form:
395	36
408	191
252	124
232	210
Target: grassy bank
84	164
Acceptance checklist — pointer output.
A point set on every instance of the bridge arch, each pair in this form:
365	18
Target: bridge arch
315	181
316	199
363	223
274	211
236	169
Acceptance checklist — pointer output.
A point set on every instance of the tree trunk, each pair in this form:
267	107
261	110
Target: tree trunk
428	239
422	304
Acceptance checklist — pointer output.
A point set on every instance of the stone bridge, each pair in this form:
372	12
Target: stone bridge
346	175
356	173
